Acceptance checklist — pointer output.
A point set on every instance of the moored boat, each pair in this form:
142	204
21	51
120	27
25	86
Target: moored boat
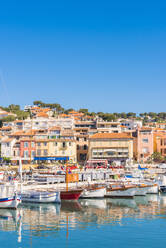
8	196
70	194
163	189
10	202
142	190
120	191
41	197
153	189
94	192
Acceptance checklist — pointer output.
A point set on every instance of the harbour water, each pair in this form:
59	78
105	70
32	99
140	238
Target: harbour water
138	222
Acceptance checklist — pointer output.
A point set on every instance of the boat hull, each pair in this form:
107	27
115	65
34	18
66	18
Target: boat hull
126	193
41	198
141	191
70	194
93	193
10	202
154	189
163	189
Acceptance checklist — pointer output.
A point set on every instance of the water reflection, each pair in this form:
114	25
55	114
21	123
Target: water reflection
44	220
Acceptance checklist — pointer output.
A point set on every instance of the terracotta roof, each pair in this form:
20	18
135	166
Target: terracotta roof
160	134
111	136
18	121
42	114
23	133
81	128
64	115
5	128
54	128
145	128
73	112
52	140
7	140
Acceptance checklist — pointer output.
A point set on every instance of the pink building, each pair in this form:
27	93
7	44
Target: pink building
143	143
27	149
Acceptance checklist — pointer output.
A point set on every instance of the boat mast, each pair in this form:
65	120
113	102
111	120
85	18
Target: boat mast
67	178
20	172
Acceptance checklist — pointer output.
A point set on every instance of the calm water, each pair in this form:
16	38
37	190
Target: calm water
140	222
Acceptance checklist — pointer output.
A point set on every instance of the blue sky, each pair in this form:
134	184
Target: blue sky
103	55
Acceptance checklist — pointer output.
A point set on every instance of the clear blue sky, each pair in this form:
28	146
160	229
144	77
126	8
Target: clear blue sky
103	55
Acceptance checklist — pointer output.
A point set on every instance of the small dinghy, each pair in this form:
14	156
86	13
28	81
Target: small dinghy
41	197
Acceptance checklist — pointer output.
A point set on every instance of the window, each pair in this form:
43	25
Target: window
164	141
84	139
145	150
85	147
64	144
77	139
55	143
45	143
45	152
7	144
38	152
25	144
69	143
38	144
32	144
78	147
32	154
110	153
26	154
145	140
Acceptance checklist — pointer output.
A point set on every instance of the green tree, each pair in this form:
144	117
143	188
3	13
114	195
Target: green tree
157	157
85	111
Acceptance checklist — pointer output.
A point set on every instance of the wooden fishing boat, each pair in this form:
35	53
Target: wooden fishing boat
153	189
10	202
142	190
121	191
41	197
8	196
93	192
70	194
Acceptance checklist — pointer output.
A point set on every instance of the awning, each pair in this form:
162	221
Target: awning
51	158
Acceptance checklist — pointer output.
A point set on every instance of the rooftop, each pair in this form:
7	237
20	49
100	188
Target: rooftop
111	136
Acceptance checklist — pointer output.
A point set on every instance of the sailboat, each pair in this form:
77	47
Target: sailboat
38	196
70	194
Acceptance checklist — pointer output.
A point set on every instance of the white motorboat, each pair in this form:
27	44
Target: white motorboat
121	191
98	192
41	197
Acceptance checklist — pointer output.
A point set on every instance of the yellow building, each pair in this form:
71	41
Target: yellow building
111	146
56	148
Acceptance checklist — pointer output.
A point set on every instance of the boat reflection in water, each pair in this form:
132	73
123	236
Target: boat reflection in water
10	220
96	203
53	220
130	203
